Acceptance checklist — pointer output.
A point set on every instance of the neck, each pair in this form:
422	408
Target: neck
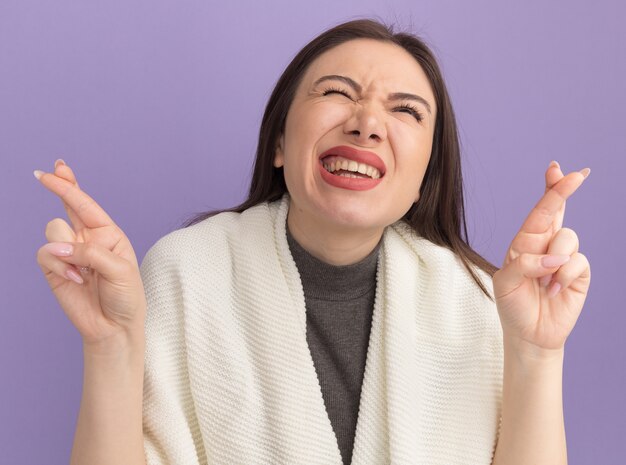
332	245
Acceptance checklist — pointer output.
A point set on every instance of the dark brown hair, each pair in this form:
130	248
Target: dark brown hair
439	214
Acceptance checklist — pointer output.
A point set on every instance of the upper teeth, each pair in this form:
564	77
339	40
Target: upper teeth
350	165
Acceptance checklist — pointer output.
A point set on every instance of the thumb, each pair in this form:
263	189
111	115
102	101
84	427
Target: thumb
57	230
528	265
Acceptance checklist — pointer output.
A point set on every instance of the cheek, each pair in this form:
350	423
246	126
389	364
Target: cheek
323	118
305	131
408	134
412	150
411	147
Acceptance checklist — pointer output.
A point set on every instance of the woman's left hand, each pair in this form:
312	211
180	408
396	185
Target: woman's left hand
533	317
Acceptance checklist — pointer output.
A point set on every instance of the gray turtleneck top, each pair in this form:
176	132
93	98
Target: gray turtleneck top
339	305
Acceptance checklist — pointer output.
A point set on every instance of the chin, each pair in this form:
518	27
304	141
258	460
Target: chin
354	216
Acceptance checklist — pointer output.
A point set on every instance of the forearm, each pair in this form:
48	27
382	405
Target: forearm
533	428
109	427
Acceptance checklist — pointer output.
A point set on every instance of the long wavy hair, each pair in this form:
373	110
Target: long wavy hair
439	213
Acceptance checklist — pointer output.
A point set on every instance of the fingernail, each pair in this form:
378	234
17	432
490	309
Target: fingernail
585	172
60	249
38	173
550	261
70	273
554	290
59	162
554	163
545	280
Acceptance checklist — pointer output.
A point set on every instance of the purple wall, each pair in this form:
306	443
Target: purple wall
157	104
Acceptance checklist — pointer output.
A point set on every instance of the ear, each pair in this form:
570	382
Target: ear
279	157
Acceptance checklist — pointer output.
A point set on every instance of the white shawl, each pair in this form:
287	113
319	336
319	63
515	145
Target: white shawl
229	377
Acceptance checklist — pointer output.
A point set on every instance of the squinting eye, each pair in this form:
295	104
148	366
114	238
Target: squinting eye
332	89
412	110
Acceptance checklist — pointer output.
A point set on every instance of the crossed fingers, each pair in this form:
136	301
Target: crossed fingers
82	210
546	218
552	204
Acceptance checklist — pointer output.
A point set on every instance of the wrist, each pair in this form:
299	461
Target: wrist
123	343
528	352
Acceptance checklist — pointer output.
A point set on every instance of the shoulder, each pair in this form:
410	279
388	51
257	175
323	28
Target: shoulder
212	237
443	263
176	244
434	256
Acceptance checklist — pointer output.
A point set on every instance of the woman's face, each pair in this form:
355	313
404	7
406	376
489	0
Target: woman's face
367	118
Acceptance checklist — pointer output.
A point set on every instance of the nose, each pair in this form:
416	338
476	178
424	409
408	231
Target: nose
365	124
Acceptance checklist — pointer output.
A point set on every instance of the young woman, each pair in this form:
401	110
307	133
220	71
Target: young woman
337	315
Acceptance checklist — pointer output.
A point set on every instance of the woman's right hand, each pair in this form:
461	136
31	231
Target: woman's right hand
110	302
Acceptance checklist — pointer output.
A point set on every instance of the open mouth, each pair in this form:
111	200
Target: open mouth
343	167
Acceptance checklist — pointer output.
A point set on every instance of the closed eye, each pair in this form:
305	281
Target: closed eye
405	106
412	110
339	91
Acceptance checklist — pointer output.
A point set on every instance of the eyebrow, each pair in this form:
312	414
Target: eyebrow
357	87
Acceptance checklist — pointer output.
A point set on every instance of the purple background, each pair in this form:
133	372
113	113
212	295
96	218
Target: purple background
157	104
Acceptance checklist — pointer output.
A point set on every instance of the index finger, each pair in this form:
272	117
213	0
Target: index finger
554	175
88	211
65	172
543	214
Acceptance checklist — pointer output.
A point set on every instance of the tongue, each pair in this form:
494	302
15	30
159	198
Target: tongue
358	175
